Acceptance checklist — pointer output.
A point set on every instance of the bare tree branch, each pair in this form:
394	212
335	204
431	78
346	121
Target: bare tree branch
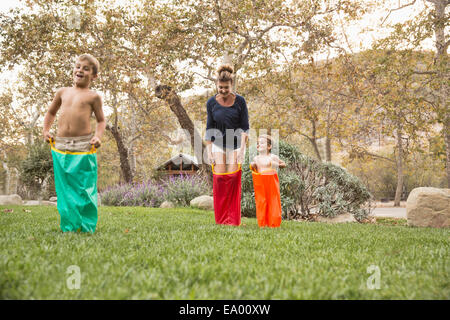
401	7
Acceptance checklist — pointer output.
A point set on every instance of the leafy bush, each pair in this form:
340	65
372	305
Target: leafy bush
309	187
180	190
145	194
37	170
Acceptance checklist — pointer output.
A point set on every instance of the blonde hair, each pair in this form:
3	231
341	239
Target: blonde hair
224	73
92	61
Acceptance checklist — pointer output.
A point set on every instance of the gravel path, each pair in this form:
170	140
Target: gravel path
390	212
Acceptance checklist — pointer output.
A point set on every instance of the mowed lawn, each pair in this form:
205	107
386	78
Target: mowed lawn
143	253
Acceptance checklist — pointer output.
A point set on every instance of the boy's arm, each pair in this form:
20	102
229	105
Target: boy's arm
51	114
253	164
278	162
101	123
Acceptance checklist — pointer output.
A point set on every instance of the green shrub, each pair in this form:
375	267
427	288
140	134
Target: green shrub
309	187
36	169
183	188
179	190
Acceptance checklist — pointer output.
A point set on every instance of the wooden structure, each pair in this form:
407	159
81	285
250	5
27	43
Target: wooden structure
180	164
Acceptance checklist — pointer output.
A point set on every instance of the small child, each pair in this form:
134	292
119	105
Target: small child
265	160
266	183
74	147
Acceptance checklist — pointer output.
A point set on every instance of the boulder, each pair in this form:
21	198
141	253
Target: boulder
53	199
428	207
203	202
10	199
167	204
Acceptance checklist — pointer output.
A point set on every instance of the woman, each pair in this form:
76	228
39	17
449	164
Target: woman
226	137
227	124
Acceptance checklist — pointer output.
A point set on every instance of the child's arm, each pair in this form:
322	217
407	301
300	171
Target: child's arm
101	123
253	165
278	162
51	114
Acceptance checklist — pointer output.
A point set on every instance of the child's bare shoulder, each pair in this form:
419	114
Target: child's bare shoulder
274	156
61	90
94	94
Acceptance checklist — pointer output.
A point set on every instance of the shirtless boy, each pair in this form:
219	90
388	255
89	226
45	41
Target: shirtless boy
74	147
266	184
265	160
77	104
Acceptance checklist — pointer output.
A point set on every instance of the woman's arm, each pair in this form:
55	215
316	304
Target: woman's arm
244	125
210	129
209	152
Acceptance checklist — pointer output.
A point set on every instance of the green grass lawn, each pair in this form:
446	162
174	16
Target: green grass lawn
142	253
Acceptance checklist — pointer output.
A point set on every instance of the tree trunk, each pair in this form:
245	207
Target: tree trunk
446	131
123	154
327	138
398	191
132	158
313	140
166	93
328	148
131	148
441	62
7	177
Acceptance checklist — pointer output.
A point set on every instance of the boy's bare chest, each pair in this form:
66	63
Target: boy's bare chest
76	101
264	161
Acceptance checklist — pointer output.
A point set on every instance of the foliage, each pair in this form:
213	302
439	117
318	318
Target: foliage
431	22
273	46
142	44
310	187
179	190
182	189
36	169
422	170
146	194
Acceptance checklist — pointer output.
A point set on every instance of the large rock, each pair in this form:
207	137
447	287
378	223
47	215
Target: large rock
167	204
203	202
428	207
10	199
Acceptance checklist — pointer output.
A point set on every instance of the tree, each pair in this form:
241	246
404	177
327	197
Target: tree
44	40
250	35
432	21
394	107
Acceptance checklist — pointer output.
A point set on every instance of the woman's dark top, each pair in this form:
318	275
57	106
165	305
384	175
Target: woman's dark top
224	125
